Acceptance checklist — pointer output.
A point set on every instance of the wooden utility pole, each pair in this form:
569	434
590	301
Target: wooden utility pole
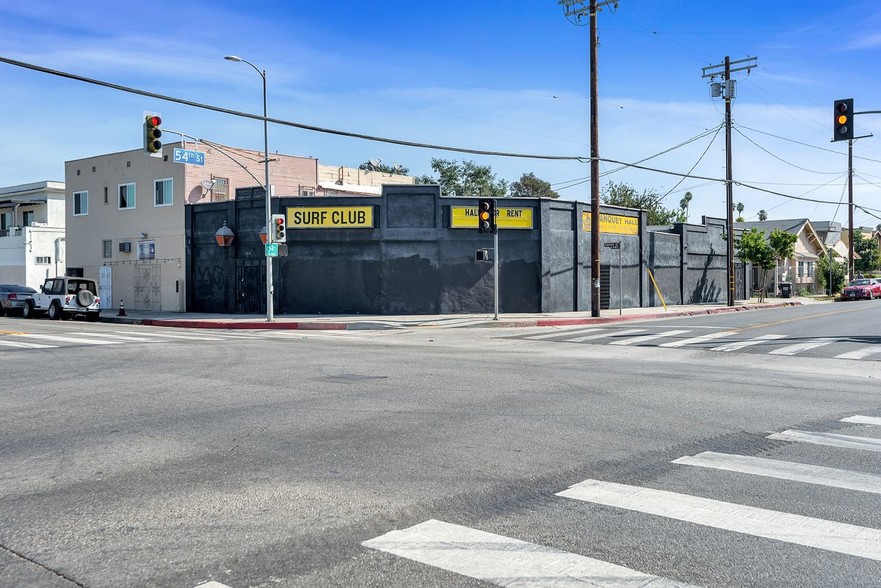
728	92
578	9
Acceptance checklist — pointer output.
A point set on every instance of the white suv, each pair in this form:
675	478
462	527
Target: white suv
65	295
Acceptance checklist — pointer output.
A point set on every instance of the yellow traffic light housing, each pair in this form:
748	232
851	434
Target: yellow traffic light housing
843	127
152	134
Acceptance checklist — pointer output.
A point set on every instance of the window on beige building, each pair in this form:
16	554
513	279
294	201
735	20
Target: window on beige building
220	192
126	196
80	203
163	193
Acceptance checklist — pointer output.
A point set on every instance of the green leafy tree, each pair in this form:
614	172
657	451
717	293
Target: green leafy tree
650	201
529	186
378	165
867	249
683	206
783	246
465	179
755	249
838	273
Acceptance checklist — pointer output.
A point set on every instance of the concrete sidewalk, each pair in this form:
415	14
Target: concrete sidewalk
375	322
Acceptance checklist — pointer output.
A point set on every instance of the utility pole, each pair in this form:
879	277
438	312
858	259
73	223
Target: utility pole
578	9
727	90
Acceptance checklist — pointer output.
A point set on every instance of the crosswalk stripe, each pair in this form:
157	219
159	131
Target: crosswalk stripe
563	333
604	335
785	470
504	561
79	340
804	346
759	522
645	338
212	584
862	420
829	439
22	345
737	345
121	337
170	336
860	353
699	339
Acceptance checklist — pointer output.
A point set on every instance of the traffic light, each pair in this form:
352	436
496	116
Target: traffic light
843	127
486	215
152	133
279	231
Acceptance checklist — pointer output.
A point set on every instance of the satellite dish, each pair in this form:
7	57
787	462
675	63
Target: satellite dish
195	195
397	167
374	163
208	184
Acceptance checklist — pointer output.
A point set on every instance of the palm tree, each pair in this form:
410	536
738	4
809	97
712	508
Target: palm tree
683	205
763	216
740	208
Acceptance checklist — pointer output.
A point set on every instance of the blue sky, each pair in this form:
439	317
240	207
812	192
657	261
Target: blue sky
490	75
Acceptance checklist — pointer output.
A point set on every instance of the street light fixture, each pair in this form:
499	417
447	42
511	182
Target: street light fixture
266	190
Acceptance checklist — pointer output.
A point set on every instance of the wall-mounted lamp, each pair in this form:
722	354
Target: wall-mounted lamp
263	234
142	235
224	236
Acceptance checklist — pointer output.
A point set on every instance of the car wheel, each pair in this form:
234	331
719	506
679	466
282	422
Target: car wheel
55	311
28	310
2	311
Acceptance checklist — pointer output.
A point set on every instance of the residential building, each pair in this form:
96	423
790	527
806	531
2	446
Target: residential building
800	269
32	245
125	212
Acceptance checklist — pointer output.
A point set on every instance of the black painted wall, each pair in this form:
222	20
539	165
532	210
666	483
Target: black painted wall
412	262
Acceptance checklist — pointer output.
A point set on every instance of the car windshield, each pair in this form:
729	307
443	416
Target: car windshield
861	282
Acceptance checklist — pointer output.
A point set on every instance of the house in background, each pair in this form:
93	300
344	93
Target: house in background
801	268
32	245
125	212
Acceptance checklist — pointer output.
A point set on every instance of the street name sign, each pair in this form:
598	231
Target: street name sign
189	156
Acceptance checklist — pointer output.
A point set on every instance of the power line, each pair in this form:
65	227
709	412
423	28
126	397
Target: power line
778	158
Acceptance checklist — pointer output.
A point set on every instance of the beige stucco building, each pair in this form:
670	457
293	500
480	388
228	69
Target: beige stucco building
125	220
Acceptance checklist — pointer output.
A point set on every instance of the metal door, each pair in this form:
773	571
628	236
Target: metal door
147	287
251	281
605	286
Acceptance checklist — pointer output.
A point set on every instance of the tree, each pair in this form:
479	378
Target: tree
529	186
838	273
378	165
783	246
683	206
650	201
739	209
754	249
763	216
465	179
867	249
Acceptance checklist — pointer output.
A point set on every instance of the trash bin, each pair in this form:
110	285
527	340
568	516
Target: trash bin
785	289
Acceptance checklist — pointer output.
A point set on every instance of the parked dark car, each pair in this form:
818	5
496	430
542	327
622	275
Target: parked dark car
13	298
867	288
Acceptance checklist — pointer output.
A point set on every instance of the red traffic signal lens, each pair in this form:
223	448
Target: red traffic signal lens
154	121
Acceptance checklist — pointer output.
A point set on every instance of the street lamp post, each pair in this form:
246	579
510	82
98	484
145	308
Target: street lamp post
266	189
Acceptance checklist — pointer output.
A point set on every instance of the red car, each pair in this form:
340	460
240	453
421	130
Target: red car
867	288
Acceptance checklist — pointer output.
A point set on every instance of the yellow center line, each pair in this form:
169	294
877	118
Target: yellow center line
12	333
793	320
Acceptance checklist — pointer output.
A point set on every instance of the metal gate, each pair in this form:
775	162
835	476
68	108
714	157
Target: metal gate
251	281
148	287
605	286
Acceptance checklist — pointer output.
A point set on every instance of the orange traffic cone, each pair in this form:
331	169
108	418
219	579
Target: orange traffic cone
121	308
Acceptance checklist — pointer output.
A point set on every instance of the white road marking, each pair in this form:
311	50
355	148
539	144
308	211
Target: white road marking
22	345
830	439
604	335
700	339
504	561
785	470
645	338
862	420
564	333
79	340
748	343
170	336
804	346
212	584
120	337
759	522
860	353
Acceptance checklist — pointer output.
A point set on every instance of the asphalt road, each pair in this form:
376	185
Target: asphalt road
143	456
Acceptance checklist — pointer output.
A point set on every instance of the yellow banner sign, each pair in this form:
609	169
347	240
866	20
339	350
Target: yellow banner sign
612	223
465	217
330	217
